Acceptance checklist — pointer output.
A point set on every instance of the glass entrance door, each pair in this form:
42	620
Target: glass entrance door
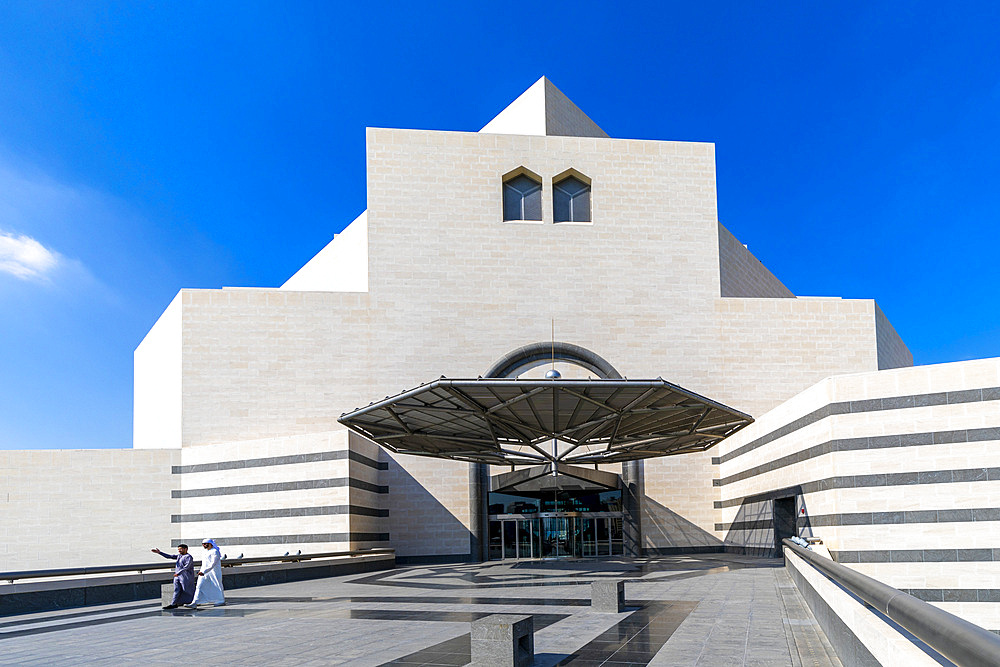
555	537
513	538
567	537
510	539
527	531
588	536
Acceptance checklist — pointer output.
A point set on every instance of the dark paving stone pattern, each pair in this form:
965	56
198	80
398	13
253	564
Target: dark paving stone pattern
706	609
634	640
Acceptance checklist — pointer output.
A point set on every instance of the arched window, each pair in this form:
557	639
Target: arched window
522	198
571	200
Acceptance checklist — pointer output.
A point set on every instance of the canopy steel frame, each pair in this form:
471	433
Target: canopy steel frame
493	420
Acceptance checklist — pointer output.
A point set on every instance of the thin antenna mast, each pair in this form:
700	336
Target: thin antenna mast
552	338
554	375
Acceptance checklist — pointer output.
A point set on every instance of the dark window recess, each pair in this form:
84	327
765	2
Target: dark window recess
571	201
522	199
561	501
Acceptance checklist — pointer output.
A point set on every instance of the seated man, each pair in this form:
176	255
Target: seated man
184	583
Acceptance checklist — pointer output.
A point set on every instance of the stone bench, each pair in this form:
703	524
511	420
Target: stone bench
608	596
503	640
167	593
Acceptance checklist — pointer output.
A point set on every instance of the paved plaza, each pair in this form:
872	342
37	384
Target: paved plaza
682	610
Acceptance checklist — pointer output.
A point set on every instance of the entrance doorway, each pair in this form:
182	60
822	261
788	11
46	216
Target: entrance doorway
555	535
555	511
784	521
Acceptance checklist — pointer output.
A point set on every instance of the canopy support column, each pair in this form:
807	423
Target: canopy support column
633	490
479	486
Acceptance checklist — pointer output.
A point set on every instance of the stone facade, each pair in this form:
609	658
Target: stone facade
653	283
313	493
452	288
898	471
72	508
742	275
238	391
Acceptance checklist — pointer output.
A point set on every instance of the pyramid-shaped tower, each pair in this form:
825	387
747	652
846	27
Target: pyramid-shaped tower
543	110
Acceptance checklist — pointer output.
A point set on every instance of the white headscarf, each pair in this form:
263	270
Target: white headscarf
209	540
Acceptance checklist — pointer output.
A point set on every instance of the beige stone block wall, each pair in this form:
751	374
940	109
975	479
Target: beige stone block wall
983	614
769	420
678	511
429	503
949	535
71	508
743	275
270	363
953	495
956	376
934	575
768	350
455	288
892	351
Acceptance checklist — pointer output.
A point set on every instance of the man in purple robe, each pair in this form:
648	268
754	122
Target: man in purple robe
183	576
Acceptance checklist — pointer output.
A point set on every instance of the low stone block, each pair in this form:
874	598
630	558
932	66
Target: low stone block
503	640
608	596
167	593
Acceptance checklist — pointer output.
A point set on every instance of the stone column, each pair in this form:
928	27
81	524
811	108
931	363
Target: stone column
479	485
633	491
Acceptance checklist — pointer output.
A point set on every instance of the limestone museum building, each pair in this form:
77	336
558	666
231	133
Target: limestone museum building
538	341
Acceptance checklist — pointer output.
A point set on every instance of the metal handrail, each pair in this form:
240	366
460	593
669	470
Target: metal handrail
958	640
109	569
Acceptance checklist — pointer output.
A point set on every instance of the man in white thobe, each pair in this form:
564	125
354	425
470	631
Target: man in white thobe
209	587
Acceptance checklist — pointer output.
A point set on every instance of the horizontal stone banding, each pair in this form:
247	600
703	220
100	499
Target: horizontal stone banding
874	442
297	539
874	405
280	513
872	480
290	459
280	486
876	518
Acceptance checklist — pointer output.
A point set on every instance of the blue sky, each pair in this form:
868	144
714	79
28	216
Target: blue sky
146	147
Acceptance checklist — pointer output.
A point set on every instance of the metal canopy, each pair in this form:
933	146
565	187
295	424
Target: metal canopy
514	422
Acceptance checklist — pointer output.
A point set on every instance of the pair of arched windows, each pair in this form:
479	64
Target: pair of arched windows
522	198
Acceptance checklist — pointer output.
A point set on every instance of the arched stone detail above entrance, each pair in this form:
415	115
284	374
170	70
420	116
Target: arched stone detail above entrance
529	356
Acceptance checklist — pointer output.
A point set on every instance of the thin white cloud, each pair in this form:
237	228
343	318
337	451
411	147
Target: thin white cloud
45	224
25	258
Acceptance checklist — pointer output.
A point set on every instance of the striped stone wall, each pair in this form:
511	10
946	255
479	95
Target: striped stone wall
314	493
898	471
